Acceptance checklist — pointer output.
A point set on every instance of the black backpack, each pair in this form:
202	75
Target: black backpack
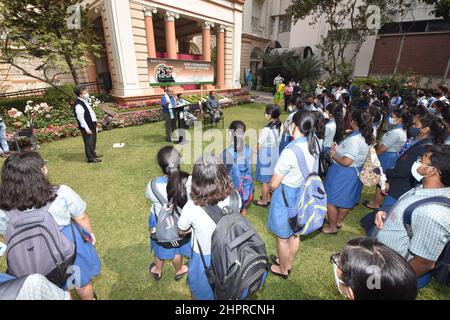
239	261
442	269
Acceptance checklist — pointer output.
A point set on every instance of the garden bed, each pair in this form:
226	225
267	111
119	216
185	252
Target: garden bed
55	123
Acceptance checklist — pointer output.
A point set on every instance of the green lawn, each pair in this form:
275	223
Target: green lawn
114	192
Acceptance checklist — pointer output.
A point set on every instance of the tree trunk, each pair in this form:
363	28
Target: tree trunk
73	71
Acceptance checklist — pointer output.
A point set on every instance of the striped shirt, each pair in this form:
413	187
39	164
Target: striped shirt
430	225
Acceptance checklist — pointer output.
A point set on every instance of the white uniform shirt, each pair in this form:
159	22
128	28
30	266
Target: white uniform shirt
330	132
287	165
394	139
355	148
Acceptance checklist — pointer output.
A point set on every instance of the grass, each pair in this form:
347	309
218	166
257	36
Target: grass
114	192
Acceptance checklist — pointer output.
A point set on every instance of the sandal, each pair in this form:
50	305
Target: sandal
366	204
180	276
283	276
268	202
256	203
154	274
337	226
330	233
274	259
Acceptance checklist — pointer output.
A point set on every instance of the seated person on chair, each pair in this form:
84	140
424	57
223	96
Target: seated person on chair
430	223
189	118
213	107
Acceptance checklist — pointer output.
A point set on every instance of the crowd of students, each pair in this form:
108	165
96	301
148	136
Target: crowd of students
327	135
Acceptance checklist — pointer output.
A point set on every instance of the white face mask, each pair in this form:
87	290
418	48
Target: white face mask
86	96
339	282
414	171
291	130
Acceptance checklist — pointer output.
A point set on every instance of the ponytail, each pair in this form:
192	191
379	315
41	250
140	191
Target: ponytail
176	189
237	129
337	110
364	122
304	121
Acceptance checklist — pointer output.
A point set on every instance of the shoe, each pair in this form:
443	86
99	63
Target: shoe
256	203
98	156
283	276
274	259
94	161
154	274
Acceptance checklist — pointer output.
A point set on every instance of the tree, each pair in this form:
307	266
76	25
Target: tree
347	21
289	67
58	33
441	8
350	22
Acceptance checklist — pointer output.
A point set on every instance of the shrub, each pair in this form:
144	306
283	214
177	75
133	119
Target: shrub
56	98
18	103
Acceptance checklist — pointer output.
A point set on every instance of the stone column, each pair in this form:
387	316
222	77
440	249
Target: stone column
149	33
206	40
220	57
123	49
171	40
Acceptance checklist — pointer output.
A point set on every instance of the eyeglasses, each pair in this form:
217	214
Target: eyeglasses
334	259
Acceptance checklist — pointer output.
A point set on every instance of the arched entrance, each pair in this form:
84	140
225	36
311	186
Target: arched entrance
256	62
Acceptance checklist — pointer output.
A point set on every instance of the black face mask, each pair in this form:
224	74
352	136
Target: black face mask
414	131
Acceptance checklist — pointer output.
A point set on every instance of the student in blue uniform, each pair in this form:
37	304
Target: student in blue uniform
342	183
389	147
334	128
210	186
288	177
238	160
268	152
173	186
25	186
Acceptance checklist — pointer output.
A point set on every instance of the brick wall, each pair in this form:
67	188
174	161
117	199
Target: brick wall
426	54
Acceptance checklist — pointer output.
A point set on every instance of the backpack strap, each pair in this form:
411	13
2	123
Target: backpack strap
301	160
157	194
9	290
407	214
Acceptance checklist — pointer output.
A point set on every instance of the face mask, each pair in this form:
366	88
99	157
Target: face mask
267	116
414	131
86	96
338	281
392	121
414	171
433	110
291	130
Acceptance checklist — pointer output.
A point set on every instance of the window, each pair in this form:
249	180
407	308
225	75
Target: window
438	25
284	23
415	26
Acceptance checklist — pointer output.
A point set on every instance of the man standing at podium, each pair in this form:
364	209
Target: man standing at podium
168	104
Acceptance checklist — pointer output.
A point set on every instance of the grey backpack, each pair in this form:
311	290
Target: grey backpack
166	234
239	262
36	245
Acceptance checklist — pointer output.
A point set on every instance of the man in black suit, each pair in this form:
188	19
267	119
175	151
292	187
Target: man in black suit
87	123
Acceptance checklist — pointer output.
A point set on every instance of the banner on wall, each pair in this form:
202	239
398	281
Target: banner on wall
166	72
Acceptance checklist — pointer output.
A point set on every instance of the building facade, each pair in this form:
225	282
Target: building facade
415	42
135	30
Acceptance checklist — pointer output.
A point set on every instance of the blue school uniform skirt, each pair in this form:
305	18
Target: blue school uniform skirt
168	254
87	258
266	161
277	221
196	278
387	160
343	186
